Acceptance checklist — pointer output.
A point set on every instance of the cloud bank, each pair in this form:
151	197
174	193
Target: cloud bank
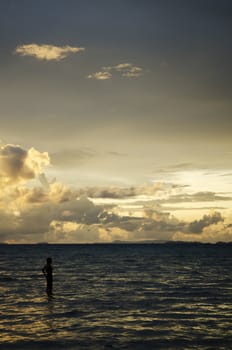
54	212
47	52
122	192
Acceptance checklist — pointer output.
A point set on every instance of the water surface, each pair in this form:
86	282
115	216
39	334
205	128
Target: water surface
117	296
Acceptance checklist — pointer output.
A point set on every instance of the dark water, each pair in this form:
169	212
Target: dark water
117	297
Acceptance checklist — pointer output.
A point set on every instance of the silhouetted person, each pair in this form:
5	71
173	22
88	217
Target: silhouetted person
47	271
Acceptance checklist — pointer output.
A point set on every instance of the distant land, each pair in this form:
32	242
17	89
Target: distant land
126	242
166	242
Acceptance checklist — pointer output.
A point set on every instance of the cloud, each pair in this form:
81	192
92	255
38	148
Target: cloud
226	174
107	227
43	180
54	193
32	213
205	196
211	228
197	226
35	214
100	75
18	164
47	52
122	192
210	234
68	231
58	213
126	70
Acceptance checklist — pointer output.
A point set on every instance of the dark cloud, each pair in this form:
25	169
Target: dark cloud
180	111
32	221
12	159
206	196
197	226
18	164
124	192
60	215
106	192
56	215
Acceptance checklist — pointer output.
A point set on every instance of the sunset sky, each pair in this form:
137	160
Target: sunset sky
115	120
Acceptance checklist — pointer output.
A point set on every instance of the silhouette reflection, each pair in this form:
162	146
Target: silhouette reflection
47	271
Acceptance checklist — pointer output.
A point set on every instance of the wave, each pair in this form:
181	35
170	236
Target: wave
111	298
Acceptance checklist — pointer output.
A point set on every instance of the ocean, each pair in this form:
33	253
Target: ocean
117	296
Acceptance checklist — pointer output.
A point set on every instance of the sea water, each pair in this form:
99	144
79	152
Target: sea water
117	296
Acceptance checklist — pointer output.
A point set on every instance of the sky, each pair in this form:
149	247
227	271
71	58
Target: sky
115	120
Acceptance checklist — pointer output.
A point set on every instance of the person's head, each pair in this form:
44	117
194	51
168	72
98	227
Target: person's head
49	261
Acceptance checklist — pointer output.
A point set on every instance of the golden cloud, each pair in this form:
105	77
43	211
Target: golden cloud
100	76
126	70
47	52
210	234
18	165
58	213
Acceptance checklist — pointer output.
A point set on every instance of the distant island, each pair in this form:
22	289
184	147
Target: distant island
148	241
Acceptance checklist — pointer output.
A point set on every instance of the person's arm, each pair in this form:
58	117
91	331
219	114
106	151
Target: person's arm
44	270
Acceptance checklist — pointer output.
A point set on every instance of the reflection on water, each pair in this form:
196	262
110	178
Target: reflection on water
117	296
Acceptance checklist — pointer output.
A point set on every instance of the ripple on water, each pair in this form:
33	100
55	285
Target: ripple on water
130	297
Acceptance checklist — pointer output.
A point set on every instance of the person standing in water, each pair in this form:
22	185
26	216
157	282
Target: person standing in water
47	271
